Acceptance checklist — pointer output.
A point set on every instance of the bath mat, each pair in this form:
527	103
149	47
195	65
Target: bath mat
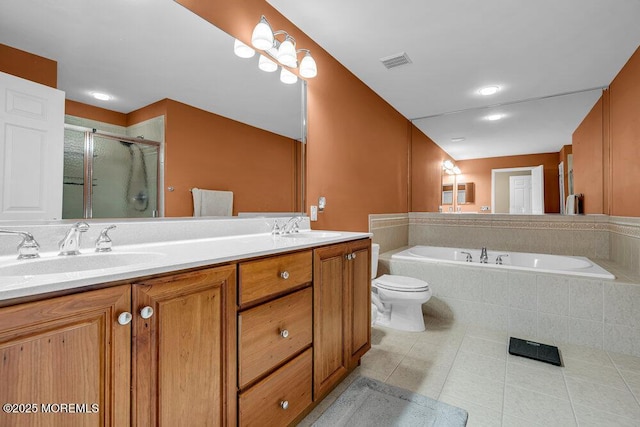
535	350
369	403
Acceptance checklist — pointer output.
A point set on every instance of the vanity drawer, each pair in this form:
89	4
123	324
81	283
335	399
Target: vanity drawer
264	403
271	276
272	332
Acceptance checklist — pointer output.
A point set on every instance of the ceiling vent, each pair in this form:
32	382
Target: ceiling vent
396	60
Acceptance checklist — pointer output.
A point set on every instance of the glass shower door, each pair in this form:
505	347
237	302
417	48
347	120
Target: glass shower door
125	176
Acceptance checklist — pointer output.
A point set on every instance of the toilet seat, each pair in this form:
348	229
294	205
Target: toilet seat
401	283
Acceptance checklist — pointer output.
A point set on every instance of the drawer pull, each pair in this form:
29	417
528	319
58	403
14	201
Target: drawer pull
348	257
146	312
284	333
284	275
353	255
284	404
125	318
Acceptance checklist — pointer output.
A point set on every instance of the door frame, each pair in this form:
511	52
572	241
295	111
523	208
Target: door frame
503	170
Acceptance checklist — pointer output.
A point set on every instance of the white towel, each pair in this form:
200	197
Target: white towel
212	202
571	208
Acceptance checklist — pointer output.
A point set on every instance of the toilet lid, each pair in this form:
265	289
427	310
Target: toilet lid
401	283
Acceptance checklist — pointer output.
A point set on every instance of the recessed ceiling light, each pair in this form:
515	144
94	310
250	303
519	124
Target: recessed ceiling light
459	139
101	96
489	90
494	117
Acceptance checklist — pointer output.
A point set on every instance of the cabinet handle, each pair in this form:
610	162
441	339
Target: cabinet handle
348	257
146	312
284	404
284	333
284	275
125	318
353	255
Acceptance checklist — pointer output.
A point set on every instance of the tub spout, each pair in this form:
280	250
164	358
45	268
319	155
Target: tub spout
483	255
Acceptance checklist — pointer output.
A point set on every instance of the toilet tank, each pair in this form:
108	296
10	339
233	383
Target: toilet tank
375	251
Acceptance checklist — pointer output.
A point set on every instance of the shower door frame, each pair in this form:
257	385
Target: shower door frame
87	191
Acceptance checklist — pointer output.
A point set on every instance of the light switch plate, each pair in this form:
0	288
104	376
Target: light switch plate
314	213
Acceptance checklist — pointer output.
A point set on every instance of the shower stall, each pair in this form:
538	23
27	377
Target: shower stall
109	176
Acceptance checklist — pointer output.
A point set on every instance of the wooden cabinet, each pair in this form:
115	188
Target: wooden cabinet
184	363
465	193
342	311
67	350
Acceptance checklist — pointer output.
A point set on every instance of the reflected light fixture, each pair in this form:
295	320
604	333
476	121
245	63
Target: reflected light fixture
265	64
450	169
242	50
489	90
458	139
494	117
277	52
101	96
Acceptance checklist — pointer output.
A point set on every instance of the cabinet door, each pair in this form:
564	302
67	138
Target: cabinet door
359	301
329	296
67	351
185	353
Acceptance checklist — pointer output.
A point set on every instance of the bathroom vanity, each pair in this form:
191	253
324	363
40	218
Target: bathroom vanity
255	340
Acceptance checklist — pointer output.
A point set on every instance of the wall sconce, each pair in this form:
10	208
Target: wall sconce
282	52
450	169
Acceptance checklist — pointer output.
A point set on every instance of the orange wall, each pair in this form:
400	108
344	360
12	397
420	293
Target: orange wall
426	172
358	145
588	161
624	137
478	171
208	151
28	66
86	111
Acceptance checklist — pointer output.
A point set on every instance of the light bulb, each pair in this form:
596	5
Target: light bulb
265	64
101	96
262	36
456	170
448	164
489	90
308	68
242	50
288	77
287	52
494	117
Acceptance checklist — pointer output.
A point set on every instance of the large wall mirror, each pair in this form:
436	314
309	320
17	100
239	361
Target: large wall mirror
528	134
144	52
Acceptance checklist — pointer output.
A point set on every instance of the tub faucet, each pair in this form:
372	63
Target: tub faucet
499	258
469	257
483	255
28	248
70	244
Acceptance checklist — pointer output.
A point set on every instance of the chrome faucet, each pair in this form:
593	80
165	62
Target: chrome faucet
28	248
499	258
484	258
70	244
469	257
104	242
291	226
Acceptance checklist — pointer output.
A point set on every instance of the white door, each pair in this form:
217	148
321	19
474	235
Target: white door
537	190
520	194
31	149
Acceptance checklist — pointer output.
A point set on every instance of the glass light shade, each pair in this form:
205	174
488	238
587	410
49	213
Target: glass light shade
287	52
288	77
242	50
449	171
262	36
448	164
265	64
457	170
308	68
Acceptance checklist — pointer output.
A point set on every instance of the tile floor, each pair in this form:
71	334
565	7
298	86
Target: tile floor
470	368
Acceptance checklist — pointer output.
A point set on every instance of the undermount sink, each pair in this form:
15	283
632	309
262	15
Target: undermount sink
312	235
77	263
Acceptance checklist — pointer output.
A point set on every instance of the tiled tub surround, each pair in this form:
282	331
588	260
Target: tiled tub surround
390	231
603	314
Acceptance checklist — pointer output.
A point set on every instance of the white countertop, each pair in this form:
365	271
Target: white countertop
160	257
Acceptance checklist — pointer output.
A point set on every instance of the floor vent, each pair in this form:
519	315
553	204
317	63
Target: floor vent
535	350
395	60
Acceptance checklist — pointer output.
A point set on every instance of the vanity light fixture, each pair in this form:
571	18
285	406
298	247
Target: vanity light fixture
242	50
450	169
489	90
277	52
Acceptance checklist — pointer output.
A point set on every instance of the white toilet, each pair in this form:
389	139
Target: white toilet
396	301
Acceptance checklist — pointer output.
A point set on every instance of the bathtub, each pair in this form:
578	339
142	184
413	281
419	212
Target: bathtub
541	263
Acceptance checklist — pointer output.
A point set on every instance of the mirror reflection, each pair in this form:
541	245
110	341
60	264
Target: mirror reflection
227	125
529	134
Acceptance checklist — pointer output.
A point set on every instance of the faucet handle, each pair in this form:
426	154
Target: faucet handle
276	228
469	257
80	226
104	242
499	258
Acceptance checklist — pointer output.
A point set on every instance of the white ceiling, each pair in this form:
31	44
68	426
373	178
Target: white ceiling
146	50
532	49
